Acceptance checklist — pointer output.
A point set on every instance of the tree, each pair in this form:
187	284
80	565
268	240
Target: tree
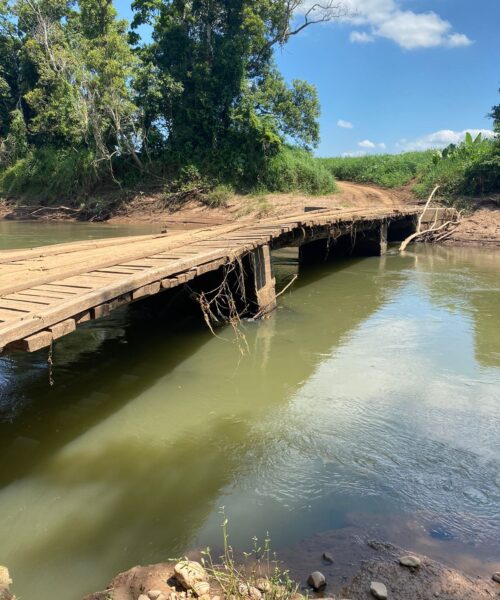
217	58
495	115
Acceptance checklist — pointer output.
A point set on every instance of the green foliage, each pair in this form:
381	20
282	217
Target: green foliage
293	169
471	168
51	174
15	145
219	196
387	170
495	115
466	169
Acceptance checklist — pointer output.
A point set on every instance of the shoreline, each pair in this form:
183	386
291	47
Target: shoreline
480	228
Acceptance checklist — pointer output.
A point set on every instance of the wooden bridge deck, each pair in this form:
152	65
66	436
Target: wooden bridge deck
47	292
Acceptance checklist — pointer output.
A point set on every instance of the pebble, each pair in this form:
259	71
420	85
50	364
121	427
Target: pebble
143	597
189	572
496	577
264	585
316	580
201	588
153	594
250	591
410	561
378	590
327	557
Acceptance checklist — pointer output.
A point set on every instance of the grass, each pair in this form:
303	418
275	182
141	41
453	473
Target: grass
69	176
469	169
237	580
295	170
386	170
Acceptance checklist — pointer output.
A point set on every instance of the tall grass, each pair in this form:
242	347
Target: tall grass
295	170
471	168
387	170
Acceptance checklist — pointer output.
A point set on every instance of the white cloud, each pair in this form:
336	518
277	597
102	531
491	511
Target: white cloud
361	37
354	154
382	146
366	144
441	138
388	19
344	124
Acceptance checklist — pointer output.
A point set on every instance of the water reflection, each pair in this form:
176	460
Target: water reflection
362	393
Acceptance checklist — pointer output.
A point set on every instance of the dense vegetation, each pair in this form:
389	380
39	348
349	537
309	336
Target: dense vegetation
84	102
471	168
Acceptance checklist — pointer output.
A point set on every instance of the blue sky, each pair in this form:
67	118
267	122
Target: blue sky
405	74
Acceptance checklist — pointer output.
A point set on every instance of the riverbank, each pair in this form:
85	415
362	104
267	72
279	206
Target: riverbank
480	225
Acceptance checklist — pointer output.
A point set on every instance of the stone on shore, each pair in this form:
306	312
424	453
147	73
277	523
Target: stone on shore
496	577
153	594
201	588
327	557
316	580
264	585
410	561
189	572
378	590
249	591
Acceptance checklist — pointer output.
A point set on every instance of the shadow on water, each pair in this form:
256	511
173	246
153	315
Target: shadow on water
152	422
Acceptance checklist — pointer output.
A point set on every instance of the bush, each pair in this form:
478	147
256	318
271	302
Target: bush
51	174
293	169
219	196
470	169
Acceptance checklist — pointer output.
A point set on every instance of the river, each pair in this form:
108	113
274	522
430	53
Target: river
371	394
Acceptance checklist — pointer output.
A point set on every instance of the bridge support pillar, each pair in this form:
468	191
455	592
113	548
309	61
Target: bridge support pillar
262	292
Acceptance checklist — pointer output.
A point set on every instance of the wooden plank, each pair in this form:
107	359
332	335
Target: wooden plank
10	315
25	307
32	343
146	290
62	328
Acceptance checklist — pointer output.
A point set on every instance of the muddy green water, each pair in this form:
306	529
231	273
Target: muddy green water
373	390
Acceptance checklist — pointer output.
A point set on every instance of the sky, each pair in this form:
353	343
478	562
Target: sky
398	75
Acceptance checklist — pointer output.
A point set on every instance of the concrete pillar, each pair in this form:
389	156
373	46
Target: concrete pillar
263	284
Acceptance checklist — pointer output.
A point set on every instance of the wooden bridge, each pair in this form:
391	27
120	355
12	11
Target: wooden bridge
47	292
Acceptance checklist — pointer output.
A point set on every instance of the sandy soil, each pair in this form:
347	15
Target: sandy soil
248	208
481	228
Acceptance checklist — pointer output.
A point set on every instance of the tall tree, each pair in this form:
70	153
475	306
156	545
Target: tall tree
219	54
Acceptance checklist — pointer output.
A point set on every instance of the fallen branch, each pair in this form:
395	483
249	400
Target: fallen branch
264	309
432	229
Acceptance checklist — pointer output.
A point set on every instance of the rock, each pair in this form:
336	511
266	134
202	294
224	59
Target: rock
264	585
204	597
327	557
143	597
316	580
5	580
153	594
201	588
216	598
189	572
249	591
413	562
496	577
378	590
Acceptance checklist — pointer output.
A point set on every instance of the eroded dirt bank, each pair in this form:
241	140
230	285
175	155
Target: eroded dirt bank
480	227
